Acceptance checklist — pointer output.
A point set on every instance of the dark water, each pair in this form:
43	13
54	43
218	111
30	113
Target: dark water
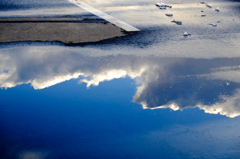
32	4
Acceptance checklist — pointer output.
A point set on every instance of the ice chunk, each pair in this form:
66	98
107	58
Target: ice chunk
213	24
161	5
169	14
209	5
177	22
203	15
185	34
217	9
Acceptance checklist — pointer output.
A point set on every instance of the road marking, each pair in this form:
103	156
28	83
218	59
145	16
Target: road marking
105	16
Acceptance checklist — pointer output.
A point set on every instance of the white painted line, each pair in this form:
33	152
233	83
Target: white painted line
105	16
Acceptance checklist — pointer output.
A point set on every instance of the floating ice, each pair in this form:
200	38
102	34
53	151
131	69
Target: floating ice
209	5
185	34
203	15
213	24
177	22
169	14
163	5
217	9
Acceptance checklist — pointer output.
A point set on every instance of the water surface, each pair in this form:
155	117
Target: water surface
155	94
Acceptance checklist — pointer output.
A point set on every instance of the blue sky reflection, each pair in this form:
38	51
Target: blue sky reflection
175	83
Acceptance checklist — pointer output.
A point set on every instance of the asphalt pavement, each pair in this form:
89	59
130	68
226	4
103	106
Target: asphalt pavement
66	30
158	32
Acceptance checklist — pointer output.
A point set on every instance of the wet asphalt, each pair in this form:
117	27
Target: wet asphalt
158	32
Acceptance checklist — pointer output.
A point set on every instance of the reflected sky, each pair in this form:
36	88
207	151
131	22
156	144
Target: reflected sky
175	83
154	94
61	102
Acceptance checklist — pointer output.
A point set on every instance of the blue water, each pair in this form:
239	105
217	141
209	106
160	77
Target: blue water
41	118
47	113
68	120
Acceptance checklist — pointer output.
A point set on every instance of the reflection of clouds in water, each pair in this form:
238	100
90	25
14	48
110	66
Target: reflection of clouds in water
208	91
40	84
104	76
33	154
47	67
211	85
35	66
229	107
213	98
110	75
226	73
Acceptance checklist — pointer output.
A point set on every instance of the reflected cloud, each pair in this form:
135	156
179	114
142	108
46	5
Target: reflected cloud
229	107
215	92
39	84
110	75
212	85
226	73
33	155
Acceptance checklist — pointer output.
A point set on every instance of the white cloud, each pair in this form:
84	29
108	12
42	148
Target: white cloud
43	67
39	84
104	76
229	107
33	154
226	73
95	79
